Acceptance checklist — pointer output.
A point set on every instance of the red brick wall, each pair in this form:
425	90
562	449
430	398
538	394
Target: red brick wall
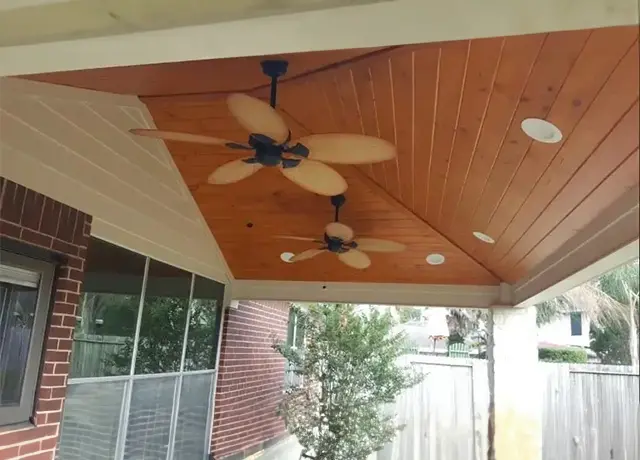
32	218
251	378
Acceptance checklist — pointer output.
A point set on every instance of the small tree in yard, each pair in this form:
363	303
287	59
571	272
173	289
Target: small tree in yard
350	371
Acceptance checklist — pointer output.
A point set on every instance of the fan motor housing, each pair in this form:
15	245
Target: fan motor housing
337	245
268	154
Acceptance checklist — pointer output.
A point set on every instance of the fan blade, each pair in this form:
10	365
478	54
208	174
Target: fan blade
298	238
308	254
338	230
233	171
355	259
347	148
258	117
181	137
377	245
316	177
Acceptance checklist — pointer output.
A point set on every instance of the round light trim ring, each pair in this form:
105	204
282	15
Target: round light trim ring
541	130
435	259
286	257
484	237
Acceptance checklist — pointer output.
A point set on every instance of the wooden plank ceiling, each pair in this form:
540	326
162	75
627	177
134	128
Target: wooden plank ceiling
464	164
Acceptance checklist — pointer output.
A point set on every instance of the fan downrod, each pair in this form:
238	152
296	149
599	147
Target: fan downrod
274	68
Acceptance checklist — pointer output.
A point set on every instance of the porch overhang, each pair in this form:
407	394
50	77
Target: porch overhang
560	214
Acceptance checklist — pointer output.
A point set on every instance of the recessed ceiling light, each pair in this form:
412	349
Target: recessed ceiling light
286	257
435	259
484	237
541	130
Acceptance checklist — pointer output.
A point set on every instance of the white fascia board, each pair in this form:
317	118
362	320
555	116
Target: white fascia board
370	293
379	24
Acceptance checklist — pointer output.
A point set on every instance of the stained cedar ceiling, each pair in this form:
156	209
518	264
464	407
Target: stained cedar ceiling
454	110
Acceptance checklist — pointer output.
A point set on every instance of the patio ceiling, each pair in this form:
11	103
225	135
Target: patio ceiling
454	110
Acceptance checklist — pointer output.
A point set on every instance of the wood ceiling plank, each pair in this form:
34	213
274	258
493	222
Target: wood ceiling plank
363	87
427	69
613	151
556	58
518	56
619	94
196	77
403	89
383	95
484	61
625	177
603	52
453	64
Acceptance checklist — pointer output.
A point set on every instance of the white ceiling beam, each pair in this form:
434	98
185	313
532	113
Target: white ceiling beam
371	293
379	24
610	240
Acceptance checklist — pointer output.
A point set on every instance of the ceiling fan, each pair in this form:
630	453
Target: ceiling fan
301	161
339	239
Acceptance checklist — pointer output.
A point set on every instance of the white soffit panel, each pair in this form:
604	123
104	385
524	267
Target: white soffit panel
383	23
610	240
73	145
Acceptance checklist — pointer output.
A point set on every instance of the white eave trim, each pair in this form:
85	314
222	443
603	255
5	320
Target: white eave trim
370	293
382	23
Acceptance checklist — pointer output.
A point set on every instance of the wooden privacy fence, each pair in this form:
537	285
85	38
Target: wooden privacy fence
92	353
590	412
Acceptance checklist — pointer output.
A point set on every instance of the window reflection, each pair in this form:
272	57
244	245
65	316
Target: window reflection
203	325
17	312
103	338
164	318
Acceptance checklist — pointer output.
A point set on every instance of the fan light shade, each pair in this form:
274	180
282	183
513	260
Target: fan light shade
348	148
257	116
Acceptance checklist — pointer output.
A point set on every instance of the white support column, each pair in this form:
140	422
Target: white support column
514	385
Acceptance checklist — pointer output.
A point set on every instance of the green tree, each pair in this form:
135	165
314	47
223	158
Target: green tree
161	337
349	370
611	303
407	314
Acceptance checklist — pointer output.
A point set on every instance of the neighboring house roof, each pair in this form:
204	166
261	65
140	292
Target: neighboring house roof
419	336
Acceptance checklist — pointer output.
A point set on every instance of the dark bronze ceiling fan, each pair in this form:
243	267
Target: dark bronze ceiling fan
340	239
302	161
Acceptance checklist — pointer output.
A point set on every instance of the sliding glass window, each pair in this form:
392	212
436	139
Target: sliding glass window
142	373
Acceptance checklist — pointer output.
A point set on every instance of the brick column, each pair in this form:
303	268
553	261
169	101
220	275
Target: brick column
515	427
250	379
40	222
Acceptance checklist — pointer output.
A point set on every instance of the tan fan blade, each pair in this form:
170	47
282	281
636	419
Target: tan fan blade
347	148
308	254
355	259
233	172
298	238
376	245
181	137
338	230
258	117
316	177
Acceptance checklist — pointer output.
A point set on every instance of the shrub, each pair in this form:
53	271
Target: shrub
562	355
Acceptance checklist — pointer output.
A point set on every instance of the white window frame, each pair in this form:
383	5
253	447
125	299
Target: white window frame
21	270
